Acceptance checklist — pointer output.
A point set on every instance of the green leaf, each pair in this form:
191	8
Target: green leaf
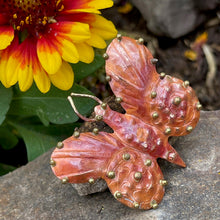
39	139
5	100
81	70
4	169
8	140
52	106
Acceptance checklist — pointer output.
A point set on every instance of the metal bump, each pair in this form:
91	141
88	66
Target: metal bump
177	101
117	195
91	181
198	106
155	115
189	128
148	162
153	94
65	180
154	204
162	75
136	205
105	56
98	117
140	40
167	131
126	156
171	156
95	131
163	182
76	134
104	105
154	61
119	37
52	163
172	116
111	174
108	78
186	83
60	145
138	176
118	99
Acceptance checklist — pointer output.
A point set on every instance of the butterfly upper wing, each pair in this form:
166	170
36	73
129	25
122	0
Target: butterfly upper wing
131	71
137	179
145	94
84	157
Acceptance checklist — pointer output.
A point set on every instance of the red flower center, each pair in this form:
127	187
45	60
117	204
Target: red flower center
31	15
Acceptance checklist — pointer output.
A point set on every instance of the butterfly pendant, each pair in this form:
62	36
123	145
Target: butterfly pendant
157	106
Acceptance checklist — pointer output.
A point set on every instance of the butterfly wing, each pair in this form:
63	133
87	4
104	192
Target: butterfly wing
137	179
164	102
83	158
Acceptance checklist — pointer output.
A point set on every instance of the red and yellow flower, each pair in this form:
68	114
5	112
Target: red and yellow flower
39	38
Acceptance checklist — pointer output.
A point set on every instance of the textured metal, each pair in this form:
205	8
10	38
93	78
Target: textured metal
177	101
154	204
140	40
117	195
98	117
65	180
91	181
163	182
137	132
95	131
111	174
118	99
60	145
154	61
155	115
189	128
119	37
108	78
126	156
104	105
105	56
153	94
148	162
52	163
162	75
76	134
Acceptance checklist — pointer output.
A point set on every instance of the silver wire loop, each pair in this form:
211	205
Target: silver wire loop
83	96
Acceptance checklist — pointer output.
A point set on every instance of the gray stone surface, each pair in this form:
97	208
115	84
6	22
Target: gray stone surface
33	192
174	18
84	189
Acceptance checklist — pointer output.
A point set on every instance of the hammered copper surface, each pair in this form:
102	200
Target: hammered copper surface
157	107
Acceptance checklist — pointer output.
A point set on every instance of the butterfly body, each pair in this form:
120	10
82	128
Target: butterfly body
157	107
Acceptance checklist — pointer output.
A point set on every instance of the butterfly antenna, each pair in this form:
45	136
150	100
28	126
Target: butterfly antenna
75	109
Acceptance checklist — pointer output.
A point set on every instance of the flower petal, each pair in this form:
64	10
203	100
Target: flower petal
6	36
90	6
103	28
64	77
68	50
42	81
9	63
86	52
74	31
96	41
3	65
48	55
25	76
11	71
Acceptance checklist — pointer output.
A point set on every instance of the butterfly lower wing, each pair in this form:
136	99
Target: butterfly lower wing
135	179
83	158
164	102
